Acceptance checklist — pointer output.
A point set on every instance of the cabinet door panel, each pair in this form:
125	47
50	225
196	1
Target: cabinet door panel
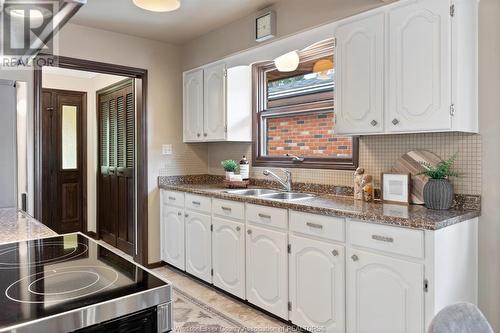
360	76
228	244
384	294
317	289
419	86
267	270
193	106
199	245
215	103
172	236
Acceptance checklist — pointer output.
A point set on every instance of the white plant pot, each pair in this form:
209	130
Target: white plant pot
229	174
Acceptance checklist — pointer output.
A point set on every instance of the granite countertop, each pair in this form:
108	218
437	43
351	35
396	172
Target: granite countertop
16	226
412	216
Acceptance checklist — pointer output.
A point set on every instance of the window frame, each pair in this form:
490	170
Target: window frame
261	110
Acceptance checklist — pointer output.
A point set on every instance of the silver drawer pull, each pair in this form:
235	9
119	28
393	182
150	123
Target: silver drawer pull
228	209
264	216
171	198
314	225
383	238
197	203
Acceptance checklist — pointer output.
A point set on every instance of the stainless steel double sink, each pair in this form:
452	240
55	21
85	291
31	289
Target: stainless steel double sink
272	194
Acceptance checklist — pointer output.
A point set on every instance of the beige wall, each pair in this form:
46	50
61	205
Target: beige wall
293	16
489	106
163	63
90	86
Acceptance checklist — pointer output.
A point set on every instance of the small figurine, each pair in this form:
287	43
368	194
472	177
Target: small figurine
358	188
368	189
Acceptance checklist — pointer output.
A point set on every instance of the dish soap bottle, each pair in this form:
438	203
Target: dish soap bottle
245	168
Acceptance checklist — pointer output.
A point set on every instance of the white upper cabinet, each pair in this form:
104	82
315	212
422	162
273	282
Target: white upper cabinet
214	107
384	294
193	106
408	67
419	85
217	104
360	72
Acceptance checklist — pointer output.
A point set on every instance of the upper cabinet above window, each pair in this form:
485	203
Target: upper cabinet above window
409	67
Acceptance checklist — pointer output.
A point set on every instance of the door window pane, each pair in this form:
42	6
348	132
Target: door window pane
69	137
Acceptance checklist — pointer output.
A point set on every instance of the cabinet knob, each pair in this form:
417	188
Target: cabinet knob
198	135
249	231
335	253
354	257
179	213
205	134
186	215
374	123
238	228
395	121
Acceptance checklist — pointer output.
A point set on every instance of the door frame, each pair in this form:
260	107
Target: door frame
141	165
83	144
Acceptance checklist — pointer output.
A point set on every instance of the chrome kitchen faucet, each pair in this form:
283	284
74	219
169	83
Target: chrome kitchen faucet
287	183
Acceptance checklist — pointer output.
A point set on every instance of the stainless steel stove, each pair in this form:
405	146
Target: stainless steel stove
71	283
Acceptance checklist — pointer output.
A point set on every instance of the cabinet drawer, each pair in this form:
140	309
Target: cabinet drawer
318	225
231	209
391	239
275	217
198	202
173	198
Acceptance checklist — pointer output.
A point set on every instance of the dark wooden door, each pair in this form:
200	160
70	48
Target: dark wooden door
116	114
64	160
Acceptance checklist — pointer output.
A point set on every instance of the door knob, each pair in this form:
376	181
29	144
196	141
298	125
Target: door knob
186	215
249	231
395	121
354	257
374	123
335	253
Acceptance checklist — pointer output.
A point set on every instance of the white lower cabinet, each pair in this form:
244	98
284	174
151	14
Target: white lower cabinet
228	254
384	294
267	269
199	245
172	234
317	287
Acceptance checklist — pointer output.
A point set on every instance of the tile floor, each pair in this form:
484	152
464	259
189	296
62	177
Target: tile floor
251	318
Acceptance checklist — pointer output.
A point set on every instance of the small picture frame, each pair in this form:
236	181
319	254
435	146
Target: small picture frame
396	188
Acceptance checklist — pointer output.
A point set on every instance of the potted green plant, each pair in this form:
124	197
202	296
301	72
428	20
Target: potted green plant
438	191
230	167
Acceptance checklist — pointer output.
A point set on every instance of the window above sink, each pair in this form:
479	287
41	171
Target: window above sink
295	114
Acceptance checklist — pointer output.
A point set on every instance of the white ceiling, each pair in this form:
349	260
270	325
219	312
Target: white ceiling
69	72
193	19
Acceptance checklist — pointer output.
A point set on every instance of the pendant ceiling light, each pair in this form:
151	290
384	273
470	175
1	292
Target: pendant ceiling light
158	5
288	62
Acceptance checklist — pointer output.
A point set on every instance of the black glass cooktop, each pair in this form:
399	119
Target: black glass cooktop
46	277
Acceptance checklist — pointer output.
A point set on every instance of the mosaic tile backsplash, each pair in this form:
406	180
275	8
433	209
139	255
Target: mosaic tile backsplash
377	154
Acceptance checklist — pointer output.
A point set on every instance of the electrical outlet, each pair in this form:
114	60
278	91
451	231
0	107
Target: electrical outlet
167	149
